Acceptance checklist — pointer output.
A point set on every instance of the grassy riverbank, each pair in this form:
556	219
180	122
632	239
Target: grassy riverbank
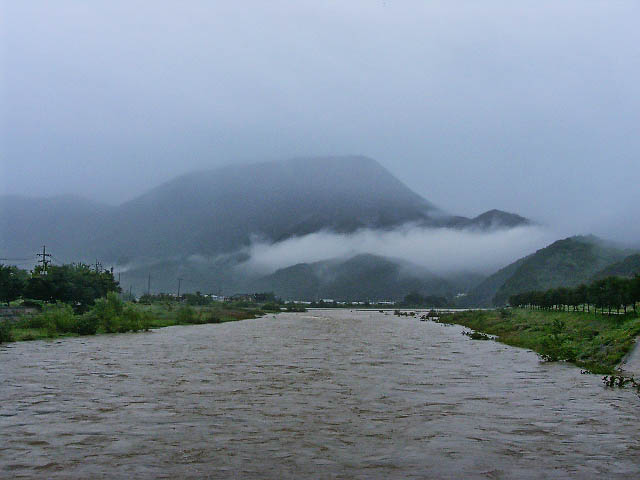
595	342
58	321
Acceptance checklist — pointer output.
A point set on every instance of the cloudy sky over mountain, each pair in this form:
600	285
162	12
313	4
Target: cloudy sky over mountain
531	107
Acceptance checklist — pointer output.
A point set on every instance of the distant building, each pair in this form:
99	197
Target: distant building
243	297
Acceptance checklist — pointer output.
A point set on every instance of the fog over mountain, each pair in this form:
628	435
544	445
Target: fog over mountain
268	216
531	107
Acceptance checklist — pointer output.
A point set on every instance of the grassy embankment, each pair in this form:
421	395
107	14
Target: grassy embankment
595	342
117	317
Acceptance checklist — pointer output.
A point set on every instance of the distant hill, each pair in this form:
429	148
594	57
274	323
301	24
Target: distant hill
491	220
567	262
221	210
628	267
482	294
357	278
215	214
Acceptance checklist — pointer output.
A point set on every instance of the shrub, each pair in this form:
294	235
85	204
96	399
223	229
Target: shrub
87	324
292	307
5	332
186	314
131	320
57	318
271	307
109	312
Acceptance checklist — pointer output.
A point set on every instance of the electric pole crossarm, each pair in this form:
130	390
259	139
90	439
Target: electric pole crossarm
44	258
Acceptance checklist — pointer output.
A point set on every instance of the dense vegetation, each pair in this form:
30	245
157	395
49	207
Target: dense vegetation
628	267
607	294
112	315
596	343
78	300
565	263
76	284
416	300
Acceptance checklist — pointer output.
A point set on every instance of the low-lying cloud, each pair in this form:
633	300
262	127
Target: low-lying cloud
441	250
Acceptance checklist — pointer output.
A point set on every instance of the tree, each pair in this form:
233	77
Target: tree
12	283
76	284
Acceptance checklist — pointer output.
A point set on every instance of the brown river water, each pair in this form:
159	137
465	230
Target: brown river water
321	394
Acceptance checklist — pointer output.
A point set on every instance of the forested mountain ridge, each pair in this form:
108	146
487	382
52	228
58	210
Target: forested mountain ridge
568	262
358	278
628	267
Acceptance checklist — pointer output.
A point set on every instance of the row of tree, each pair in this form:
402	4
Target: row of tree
77	284
608	294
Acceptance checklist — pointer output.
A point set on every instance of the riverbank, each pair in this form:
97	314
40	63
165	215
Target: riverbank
53	324
594	342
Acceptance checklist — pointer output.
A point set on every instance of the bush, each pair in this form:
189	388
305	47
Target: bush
186	314
109	312
87	324
5	332
131	320
271	307
292	307
57	318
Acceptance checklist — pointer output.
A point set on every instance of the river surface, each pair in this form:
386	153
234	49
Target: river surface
321	394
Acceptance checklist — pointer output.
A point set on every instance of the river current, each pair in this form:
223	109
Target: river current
321	394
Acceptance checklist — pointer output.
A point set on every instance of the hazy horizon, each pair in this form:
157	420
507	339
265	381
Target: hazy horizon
531	108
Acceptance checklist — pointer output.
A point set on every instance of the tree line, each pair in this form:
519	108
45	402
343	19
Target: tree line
76	284
606	295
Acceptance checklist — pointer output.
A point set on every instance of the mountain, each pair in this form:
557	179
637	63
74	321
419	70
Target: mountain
491	220
216	214
567	262
219	211
628	267
482	294
360	277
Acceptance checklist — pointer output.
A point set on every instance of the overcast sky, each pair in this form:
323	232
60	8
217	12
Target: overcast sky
532	107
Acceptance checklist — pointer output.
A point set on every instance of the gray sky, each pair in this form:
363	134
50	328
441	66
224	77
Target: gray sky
531	107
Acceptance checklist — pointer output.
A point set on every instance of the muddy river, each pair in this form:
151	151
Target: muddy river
322	394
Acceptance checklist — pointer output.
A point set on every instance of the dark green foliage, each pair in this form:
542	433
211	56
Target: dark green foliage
76	284
12	283
596	343
567	263
271	307
629	267
186	314
414	300
86	324
108	312
196	299
5	332
295	307
58	318
473	335
609	294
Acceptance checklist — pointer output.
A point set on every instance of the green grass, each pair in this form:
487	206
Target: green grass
156	316
595	342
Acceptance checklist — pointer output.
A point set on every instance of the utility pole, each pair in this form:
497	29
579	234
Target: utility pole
149	285
43	260
130	296
179	283
98	266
